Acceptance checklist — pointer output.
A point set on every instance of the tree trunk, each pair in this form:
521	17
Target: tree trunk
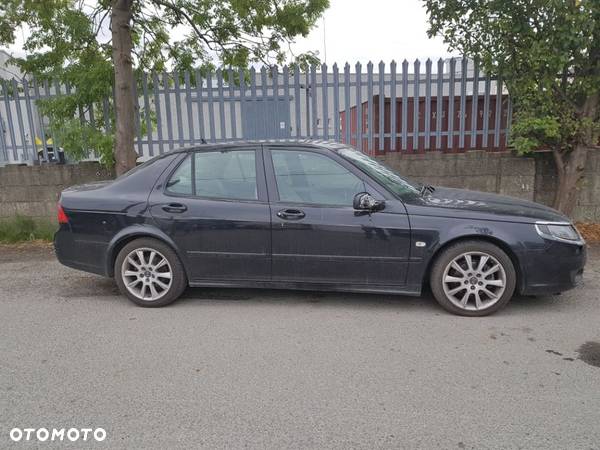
570	169
125	155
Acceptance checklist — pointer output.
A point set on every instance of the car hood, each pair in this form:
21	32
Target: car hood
498	206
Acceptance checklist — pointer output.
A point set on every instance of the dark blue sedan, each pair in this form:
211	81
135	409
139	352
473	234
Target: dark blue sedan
311	215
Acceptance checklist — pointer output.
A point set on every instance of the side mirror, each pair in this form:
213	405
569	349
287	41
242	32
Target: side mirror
363	201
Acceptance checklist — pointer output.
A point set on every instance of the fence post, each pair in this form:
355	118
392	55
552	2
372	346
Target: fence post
242	76
347	107
370	120
36	92
404	104
29	110
188	107
167	92
450	141
416	104
393	105
463	101
439	104
200	103
17	98
232	112
498	112
9	119
474	105
297	111
149	128
427	104
336	103
325	101
157	107
358	107
222	129
381	134
177	89
486	112
313	101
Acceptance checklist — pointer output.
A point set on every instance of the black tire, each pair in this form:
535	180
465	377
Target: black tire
445	258
178	279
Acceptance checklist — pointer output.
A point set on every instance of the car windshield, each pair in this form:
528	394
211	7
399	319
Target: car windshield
380	173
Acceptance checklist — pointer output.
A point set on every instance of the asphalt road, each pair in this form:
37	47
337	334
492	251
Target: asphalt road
278	369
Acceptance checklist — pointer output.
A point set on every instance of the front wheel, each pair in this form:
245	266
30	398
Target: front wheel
473	278
149	273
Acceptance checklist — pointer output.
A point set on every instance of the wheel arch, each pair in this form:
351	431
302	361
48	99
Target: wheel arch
136	232
478	237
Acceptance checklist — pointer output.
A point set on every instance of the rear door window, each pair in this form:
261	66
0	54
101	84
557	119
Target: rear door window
227	175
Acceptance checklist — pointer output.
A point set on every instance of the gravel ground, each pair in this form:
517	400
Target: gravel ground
279	369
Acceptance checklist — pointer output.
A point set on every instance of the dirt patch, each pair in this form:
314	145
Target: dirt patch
25	251
590	231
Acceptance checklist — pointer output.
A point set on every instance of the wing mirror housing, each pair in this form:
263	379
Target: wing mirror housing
363	201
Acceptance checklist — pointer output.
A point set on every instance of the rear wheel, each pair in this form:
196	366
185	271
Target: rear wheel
473	278
149	273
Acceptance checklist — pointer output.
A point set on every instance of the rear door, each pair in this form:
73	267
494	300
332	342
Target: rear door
318	236
214	206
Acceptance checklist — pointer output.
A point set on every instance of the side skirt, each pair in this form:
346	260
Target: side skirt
375	289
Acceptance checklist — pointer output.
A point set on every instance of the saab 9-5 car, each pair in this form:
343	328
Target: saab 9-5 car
310	215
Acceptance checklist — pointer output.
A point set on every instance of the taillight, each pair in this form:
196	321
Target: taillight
62	217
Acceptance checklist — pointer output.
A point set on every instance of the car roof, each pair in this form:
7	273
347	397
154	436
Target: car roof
332	145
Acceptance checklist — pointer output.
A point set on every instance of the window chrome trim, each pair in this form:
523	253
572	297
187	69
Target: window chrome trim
551	237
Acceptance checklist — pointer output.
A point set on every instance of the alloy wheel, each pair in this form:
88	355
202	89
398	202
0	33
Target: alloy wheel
474	281
146	274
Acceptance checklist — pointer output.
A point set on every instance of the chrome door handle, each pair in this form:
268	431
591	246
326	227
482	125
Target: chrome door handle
175	208
291	214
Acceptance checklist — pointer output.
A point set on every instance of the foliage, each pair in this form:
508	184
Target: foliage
548	54
69	42
22	228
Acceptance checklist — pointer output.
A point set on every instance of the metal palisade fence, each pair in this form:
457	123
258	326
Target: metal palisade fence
449	106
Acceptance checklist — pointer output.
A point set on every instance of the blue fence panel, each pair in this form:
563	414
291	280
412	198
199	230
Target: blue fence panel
393	109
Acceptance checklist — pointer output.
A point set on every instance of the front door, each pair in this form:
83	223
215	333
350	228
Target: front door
318	236
214	206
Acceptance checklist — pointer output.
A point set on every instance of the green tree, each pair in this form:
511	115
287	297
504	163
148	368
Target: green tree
95	47
548	53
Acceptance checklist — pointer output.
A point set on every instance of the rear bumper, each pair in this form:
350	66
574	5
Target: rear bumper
80	254
557	268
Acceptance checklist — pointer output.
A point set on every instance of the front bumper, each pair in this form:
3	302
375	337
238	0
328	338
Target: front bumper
554	269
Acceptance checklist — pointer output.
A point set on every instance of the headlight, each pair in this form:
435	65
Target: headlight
563	232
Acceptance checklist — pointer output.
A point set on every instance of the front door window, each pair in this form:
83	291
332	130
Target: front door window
310	178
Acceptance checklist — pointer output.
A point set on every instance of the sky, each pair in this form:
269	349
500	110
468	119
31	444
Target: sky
373	30
364	30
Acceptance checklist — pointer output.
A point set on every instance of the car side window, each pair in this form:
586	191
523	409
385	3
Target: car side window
308	177
220	174
227	175
181	181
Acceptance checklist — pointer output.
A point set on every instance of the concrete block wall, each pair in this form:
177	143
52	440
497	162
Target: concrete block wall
532	177
33	191
476	170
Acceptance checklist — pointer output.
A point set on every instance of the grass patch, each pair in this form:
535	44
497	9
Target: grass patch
21	229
